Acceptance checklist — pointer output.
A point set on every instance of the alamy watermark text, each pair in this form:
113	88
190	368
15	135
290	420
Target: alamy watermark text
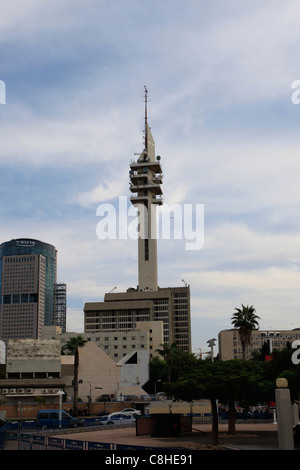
178	222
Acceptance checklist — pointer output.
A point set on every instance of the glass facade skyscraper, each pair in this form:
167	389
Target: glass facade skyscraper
27	281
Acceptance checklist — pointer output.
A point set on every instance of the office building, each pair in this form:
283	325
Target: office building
147	302
27	280
122	311
230	345
60	305
146	336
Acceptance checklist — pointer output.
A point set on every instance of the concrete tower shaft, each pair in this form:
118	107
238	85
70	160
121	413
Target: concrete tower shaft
145	181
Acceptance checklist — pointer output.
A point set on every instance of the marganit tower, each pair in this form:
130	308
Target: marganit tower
146	179
170	306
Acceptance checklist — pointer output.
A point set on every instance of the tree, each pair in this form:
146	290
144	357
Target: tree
205	381
223	381
73	346
281	365
181	362
241	382
169	353
245	320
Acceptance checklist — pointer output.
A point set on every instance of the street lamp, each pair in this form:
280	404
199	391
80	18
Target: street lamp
90	397
60	393
211	343
270	335
159	380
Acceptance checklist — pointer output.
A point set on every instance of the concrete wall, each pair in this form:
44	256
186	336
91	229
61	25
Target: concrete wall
99	374
30	355
183	407
134	375
30	410
96	369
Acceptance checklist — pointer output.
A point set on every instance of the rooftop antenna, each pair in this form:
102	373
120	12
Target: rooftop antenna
146	117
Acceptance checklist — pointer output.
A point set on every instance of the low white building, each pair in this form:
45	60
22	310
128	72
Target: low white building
36	368
98	374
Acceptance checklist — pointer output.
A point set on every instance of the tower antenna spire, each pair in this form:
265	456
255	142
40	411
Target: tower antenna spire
146	116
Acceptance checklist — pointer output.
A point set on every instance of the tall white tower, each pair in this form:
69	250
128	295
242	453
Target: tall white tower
145	180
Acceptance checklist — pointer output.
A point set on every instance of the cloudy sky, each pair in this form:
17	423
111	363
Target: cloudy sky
220	77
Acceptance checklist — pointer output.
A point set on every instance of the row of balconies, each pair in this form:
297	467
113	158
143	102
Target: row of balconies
155	188
153	166
140	199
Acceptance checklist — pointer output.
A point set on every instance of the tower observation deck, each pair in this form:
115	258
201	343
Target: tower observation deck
169	306
145	182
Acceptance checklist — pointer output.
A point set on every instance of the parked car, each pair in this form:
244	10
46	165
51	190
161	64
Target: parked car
131	398
147	397
50	419
160	396
131	411
104	397
3	422
117	419
120	398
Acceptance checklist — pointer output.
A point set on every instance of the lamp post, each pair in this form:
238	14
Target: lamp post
159	380
100	388
21	414
211	343
60	393
270	335
90	396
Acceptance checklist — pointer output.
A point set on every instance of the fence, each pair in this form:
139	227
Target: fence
28	436
16	441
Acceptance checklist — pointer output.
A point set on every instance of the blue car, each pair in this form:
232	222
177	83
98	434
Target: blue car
51	419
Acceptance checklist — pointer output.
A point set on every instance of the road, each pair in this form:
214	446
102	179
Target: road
252	435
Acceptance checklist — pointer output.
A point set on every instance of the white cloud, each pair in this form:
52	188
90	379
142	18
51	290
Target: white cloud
115	186
75	320
219	76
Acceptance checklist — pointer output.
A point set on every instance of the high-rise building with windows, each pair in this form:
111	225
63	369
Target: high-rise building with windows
60	306
122	311
27	281
148	302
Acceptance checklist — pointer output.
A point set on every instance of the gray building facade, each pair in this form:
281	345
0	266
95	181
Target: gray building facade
27	281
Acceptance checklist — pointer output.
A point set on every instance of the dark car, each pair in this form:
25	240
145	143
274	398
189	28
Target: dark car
105	397
54	418
3	422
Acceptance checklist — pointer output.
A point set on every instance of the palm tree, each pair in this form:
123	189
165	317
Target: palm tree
246	320
168	352
73	346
